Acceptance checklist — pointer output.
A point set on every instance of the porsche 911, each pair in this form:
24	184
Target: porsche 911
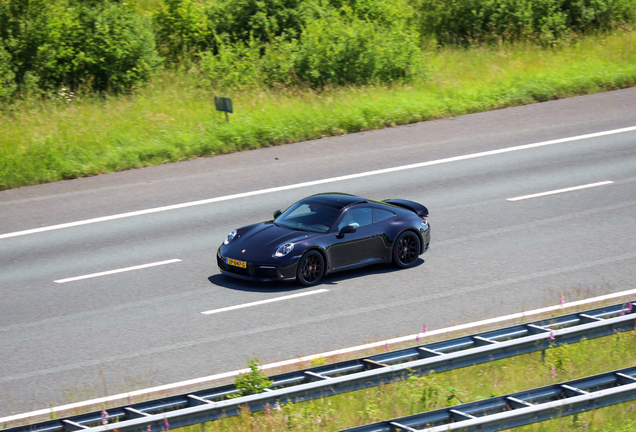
326	233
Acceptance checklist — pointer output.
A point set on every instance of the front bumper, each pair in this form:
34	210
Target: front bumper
257	272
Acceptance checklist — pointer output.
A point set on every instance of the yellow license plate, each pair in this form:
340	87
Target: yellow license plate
237	263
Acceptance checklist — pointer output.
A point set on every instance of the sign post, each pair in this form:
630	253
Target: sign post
223	104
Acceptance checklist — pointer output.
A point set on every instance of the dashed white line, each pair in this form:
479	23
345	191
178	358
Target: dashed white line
558	191
121	270
229	308
317	182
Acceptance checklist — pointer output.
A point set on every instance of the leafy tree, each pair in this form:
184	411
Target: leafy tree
7	77
102	44
182	29
544	21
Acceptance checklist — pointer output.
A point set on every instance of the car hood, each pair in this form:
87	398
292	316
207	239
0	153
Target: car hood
257	242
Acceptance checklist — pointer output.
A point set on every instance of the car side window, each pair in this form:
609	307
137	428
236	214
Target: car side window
379	215
357	217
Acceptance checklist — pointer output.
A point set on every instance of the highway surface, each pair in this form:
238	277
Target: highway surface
65	338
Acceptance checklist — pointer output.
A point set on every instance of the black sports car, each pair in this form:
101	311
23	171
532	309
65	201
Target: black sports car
326	233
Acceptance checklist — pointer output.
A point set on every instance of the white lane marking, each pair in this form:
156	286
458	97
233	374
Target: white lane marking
256	303
142	392
316	182
558	191
121	270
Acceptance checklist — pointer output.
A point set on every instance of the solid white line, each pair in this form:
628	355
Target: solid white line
229	308
558	191
142	392
316	182
121	270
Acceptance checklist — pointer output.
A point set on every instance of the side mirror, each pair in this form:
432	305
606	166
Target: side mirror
349	229
277	213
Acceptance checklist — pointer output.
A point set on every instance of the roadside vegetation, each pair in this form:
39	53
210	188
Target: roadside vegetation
91	87
420	394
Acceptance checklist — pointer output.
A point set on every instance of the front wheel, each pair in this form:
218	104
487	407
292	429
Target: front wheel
311	268
406	249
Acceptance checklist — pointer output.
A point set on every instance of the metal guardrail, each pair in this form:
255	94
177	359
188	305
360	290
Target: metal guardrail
312	383
519	409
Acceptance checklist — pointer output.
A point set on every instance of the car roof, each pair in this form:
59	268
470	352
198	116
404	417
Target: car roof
335	199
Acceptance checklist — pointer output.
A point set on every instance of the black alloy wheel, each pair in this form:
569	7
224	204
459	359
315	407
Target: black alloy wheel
406	249
311	268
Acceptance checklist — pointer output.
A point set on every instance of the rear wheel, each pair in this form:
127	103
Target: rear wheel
406	249
311	268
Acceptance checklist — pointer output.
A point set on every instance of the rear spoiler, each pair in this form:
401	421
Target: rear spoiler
413	206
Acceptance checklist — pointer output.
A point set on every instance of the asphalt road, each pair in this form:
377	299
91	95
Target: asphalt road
68	341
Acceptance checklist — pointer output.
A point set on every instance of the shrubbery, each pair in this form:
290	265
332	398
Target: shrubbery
100	44
336	48
466	22
109	45
181	29
329	43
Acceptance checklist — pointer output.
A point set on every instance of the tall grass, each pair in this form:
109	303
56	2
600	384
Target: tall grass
419	394
173	118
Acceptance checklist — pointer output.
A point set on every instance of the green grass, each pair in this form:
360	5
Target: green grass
173	118
455	387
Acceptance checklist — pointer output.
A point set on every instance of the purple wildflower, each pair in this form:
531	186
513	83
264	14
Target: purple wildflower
166	425
267	410
417	337
551	338
631	408
386	346
629	307
562	300
148	429
424	329
277	407
552	373
104	417
129	399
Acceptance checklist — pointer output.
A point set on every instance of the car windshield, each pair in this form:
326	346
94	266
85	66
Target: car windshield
306	216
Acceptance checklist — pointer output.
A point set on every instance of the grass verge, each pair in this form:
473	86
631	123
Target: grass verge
419	394
173	118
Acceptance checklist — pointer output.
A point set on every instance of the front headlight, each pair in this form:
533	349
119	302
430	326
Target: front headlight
230	237
283	250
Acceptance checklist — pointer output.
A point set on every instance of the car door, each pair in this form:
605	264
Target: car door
358	247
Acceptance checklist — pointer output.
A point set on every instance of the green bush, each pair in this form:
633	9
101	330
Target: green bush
7	77
339	49
181	29
101	44
252	382
235	65
544	21
340	46
262	20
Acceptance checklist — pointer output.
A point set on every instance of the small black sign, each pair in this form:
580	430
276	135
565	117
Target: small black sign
223	104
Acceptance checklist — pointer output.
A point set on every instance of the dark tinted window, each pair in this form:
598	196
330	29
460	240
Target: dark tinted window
379	215
358	217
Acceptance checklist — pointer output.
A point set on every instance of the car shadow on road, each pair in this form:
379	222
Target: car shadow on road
335	278
289	286
253	286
